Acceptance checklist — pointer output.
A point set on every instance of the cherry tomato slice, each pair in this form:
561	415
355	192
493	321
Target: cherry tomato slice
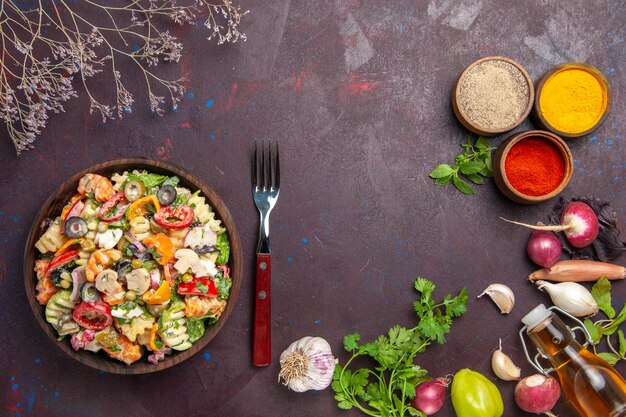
93	316
179	218
111	211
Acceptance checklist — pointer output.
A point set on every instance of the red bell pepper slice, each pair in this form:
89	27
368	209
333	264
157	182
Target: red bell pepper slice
111	211
61	260
93	316
198	286
179	218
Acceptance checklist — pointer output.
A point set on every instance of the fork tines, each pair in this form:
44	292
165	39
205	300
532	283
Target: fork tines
266	166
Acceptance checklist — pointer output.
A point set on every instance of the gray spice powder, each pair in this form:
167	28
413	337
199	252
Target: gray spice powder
493	94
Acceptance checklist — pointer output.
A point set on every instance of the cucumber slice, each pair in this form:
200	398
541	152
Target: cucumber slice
58	305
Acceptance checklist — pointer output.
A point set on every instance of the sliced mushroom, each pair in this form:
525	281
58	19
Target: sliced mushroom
186	259
138	280
200	236
106	282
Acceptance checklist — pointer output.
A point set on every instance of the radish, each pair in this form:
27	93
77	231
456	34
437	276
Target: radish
430	395
537	394
578	221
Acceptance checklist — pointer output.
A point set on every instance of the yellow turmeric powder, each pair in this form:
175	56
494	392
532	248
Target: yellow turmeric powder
573	100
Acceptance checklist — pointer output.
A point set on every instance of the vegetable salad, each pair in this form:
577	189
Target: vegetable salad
133	264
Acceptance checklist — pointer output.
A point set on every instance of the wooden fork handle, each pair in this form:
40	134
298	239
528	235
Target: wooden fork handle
262	343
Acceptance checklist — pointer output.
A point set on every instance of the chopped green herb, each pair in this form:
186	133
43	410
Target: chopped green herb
180	200
150	209
122	223
150	265
203	288
92	196
128	252
223	287
154	253
112	212
116	348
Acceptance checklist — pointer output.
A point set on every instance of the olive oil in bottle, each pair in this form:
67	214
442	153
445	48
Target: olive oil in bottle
593	387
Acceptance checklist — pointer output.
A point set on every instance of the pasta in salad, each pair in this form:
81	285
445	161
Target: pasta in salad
133	265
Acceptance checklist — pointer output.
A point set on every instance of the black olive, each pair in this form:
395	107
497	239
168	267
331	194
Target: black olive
166	195
55	277
122	268
200	250
75	227
143	256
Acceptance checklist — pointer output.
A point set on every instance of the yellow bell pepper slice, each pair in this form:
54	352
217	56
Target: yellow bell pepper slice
153	333
163	246
160	296
85	244
139	207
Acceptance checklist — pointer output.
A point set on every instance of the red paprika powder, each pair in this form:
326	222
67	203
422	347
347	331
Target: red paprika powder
534	166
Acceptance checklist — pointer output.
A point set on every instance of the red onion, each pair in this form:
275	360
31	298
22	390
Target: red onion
133	239
430	395
544	248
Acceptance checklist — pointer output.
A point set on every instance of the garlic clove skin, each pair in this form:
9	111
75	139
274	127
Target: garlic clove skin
571	297
307	364
502	296
503	366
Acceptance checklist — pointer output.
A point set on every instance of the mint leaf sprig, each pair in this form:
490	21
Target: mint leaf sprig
386	389
606	328
474	163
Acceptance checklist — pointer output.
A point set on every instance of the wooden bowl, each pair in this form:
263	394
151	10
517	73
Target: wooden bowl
499	173
537	115
52	207
484	130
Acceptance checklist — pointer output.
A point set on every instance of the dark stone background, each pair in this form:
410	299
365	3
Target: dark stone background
358	95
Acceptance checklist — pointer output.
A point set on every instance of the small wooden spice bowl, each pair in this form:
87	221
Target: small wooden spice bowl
465	118
500	174
537	114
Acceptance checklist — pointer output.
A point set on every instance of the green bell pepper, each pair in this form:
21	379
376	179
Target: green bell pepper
473	395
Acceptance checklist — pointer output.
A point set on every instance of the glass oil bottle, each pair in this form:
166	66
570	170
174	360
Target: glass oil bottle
593	387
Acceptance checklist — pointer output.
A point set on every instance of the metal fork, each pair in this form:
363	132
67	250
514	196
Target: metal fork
265	189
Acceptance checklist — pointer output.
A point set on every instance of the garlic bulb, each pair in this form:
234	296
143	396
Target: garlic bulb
307	364
501	295
571	297
503	366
